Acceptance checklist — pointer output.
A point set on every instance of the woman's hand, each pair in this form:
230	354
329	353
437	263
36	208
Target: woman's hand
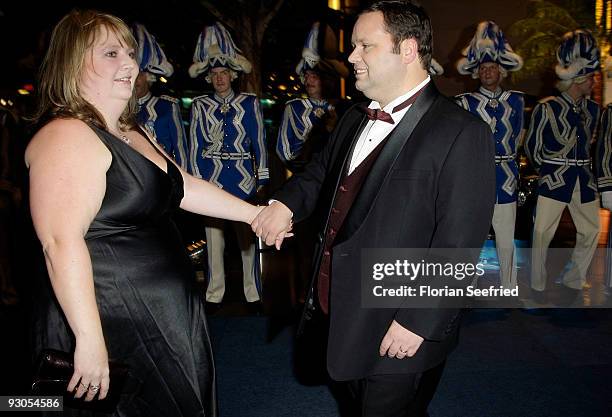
91	372
254	213
273	224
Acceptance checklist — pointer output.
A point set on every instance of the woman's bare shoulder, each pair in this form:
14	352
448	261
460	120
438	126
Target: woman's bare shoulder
68	137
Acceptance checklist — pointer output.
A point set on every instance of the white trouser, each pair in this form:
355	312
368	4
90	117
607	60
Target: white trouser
504	218
586	220
215	243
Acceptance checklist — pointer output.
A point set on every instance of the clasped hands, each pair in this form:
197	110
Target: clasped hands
273	224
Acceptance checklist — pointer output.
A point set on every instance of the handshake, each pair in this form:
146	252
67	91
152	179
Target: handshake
273	223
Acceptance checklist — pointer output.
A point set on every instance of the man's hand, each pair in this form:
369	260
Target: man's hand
273	223
400	342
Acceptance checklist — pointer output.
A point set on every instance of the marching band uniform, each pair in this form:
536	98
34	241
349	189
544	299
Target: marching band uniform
227	136
303	124
306	126
502	110
228	149
604	158
604	177
159	116
558	145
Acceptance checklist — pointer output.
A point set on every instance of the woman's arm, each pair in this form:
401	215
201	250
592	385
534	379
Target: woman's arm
202	197
67	165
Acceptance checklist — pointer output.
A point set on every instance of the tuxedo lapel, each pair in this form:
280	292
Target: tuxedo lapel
387	157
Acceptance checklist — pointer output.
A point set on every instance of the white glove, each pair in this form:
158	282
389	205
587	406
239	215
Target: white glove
606	200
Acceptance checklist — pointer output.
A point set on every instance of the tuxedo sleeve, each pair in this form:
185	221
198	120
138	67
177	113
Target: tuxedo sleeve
464	209
300	193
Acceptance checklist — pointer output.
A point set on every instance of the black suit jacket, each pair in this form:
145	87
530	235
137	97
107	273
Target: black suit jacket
432	186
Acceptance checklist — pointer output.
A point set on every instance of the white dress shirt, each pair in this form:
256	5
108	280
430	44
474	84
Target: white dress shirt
376	131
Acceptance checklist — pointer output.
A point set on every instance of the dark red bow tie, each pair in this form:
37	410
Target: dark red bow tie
379	114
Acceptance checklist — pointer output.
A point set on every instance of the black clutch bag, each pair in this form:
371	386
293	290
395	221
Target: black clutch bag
54	371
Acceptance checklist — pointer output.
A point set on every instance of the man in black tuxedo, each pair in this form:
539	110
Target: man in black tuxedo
413	170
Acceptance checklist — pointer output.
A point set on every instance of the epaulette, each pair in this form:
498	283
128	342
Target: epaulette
249	94
169	98
199	97
294	99
516	92
462	94
546	99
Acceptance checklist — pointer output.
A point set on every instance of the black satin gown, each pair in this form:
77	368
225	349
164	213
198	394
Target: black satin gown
152	317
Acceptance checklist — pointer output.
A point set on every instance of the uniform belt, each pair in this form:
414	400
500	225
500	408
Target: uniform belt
567	162
228	156
502	158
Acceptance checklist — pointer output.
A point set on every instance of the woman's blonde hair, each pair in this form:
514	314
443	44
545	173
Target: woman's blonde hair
61	70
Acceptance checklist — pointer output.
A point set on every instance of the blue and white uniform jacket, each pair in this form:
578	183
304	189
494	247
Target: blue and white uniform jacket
503	112
161	117
301	115
227	138
604	151
558	145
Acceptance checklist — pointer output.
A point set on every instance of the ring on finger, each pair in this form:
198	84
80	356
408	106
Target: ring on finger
94	388
403	352
84	385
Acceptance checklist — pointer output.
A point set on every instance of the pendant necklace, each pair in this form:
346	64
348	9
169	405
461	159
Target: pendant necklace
123	137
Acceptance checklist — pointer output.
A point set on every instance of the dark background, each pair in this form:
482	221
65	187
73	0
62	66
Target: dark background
25	27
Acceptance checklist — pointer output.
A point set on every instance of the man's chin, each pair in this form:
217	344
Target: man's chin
360	86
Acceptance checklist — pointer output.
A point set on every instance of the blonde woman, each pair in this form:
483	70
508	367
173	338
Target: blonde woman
102	195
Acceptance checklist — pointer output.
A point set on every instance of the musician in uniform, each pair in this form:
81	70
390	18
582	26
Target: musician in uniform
604	158
558	143
159	116
227	148
489	58
307	122
604	179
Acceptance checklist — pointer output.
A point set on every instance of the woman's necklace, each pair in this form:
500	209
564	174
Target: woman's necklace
121	136
125	139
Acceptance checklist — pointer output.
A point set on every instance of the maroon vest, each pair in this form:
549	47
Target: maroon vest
345	195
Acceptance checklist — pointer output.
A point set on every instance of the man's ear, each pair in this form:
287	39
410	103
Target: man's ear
409	50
